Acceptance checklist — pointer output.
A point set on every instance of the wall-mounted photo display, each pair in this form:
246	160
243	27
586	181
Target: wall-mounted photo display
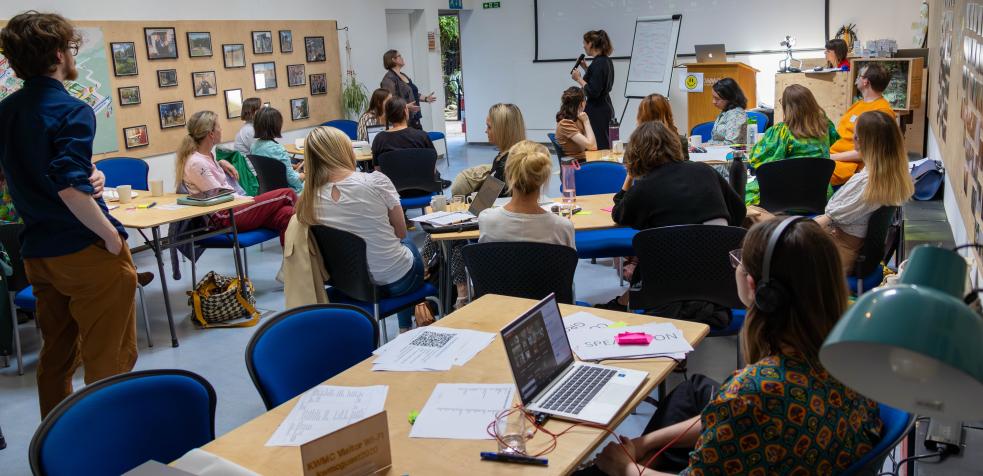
264	75
314	46
124	58
167	78
129	95
286	41
233	103
204	83
171	114
234	56
136	136
161	43
199	44
319	84
298	109
296	75
262	42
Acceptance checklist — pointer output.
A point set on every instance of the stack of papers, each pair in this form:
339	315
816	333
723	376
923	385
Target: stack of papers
430	348
593	339
443	218
325	409
462	411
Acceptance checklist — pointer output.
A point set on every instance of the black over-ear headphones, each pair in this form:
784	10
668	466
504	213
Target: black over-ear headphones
771	295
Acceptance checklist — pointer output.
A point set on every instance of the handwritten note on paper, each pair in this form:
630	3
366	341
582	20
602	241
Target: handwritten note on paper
327	408
462	411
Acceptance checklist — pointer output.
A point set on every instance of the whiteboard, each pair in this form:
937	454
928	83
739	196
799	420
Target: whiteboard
653	53
742	25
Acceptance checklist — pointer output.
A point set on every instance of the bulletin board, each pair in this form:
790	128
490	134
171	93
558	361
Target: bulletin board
321	108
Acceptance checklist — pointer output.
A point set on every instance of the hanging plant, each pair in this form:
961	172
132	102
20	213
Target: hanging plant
848	33
354	95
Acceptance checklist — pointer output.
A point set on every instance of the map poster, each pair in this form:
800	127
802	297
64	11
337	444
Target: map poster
92	86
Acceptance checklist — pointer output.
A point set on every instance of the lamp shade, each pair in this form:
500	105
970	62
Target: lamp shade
913	346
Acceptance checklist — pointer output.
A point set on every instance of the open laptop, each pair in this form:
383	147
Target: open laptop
489	191
373	131
548	378
715	53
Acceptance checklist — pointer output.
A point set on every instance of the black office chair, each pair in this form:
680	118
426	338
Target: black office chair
271	173
413	173
867	272
795	186
689	263
521	269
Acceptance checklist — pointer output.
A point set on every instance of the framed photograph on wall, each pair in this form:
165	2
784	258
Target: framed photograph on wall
129	95
262	42
204	83
233	103
166	78
319	84
234	56
264	75
286	41
136	136
314	46
296	75
124	58
171	114
298	109
199	44
161	43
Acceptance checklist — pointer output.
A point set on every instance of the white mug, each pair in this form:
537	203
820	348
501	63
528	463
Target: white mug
123	191
438	203
696	140
156	188
618	146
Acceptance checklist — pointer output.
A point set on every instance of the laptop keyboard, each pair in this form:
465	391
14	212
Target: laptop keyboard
578	390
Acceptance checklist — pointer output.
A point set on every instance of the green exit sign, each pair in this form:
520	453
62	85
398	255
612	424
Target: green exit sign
488	5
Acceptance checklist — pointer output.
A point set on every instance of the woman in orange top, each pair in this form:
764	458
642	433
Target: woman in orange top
872	80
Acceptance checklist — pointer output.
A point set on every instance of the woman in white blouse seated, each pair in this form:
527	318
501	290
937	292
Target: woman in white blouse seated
522	219
884	181
365	204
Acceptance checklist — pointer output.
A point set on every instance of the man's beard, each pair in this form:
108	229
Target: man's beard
72	74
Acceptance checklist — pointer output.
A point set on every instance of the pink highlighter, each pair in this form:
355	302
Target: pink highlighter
633	338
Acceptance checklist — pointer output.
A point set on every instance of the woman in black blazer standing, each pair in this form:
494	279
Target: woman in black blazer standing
597	80
400	85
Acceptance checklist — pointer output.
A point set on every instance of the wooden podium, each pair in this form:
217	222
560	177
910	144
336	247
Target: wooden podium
701	104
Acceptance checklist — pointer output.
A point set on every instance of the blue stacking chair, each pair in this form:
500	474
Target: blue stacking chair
556	145
897	425
344	125
437	135
413	171
113	425
762	120
704	130
302	347
594	178
868	272
344	259
125	171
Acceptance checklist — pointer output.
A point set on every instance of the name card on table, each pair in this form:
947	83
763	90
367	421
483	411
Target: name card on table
358	449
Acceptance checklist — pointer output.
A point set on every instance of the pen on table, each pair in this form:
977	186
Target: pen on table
149	205
512	458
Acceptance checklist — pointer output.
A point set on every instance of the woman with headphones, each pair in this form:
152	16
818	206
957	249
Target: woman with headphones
783	413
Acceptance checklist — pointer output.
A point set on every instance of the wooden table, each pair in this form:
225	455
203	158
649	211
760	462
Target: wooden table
130	216
361	154
605	155
714	155
409	391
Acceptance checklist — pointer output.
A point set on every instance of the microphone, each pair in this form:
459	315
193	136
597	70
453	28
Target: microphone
582	56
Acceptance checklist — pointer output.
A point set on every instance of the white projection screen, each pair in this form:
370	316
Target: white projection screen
744	26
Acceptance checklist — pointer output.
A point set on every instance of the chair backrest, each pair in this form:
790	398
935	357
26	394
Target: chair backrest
686	263
302	347
521	269
761	118
125	171
795	185
411	169
704	130
436	135
594	178
344	258
344	125
118	423
737	177
875	248
10	239
897	424
271	173
556	145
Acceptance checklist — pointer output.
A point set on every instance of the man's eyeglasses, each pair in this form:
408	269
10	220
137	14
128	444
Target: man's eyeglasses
74	46
735	257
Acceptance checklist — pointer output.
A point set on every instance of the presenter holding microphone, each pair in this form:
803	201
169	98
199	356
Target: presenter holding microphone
597	80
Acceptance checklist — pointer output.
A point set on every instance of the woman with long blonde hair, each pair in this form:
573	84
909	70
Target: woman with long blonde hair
197	171
884	181
365	204
504	127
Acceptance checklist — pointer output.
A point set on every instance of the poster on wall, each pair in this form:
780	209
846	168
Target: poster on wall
92	86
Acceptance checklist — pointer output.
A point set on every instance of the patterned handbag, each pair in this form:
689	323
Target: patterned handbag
217	299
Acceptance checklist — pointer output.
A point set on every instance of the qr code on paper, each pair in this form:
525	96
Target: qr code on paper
432	339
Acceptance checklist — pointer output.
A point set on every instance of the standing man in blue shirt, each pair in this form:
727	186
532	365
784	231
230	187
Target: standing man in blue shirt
75	253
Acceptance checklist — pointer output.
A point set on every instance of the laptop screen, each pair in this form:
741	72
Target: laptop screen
490	189
373	131
537	346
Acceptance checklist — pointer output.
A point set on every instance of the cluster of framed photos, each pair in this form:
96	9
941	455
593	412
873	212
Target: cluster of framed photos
161	43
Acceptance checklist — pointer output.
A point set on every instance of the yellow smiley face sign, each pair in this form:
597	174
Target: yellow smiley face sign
691	82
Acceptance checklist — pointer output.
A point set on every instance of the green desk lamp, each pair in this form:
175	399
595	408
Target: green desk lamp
916	345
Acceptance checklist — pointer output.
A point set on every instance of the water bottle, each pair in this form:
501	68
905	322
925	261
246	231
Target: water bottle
614	131
568	180
752	131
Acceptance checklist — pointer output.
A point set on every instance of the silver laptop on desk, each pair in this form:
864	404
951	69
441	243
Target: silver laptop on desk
373	131
548	378
716	53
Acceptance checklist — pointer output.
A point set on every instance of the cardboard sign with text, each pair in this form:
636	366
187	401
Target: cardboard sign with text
358	449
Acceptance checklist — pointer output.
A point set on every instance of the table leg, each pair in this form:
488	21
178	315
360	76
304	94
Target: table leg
158	253
235	247
446	281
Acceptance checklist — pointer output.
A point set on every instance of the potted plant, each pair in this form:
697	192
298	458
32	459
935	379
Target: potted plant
354	96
